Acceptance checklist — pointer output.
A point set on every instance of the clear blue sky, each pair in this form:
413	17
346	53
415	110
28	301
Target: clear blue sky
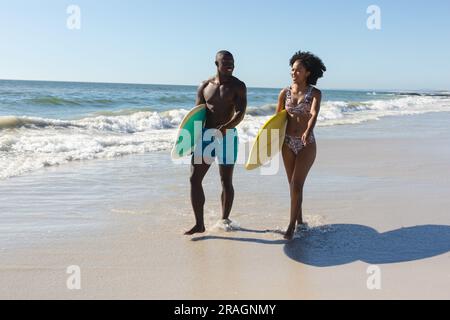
174	41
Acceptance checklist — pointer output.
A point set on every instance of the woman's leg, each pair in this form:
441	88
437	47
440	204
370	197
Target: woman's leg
289	161
303	164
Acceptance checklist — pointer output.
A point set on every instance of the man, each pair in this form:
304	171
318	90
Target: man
225	98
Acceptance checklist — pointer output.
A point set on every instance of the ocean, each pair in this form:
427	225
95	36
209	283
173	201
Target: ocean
45	124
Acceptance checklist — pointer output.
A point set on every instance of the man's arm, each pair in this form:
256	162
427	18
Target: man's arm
200	97
240	106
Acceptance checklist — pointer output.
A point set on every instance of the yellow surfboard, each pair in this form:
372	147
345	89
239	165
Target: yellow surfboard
268	142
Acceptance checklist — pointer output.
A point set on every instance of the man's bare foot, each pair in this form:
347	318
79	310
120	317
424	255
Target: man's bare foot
227	225
289	234
194	230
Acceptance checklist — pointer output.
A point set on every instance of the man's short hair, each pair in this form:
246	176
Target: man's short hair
223	53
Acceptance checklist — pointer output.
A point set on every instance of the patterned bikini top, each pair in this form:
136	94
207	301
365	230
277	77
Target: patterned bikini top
303	107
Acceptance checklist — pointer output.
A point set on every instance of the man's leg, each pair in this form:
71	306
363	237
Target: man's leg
227	159
198	172
226	176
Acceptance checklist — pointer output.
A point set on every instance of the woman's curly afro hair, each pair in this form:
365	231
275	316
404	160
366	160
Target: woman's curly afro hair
312	63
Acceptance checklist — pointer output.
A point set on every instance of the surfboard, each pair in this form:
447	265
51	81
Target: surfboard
268	142
189	132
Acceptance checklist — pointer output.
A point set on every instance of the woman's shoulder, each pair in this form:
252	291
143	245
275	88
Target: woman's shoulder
284	91
315	92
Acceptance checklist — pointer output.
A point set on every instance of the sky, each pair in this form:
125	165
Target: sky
175	41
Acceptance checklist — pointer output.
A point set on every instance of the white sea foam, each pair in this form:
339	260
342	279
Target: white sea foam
23	150
341	112
28	143
226	225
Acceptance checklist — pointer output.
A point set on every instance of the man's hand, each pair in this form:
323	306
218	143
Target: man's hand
222	130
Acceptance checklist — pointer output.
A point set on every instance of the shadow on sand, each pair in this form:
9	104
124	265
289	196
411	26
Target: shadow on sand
339	244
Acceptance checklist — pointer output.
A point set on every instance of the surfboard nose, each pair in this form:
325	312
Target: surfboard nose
268	142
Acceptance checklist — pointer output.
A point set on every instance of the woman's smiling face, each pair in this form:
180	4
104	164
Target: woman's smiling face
299	72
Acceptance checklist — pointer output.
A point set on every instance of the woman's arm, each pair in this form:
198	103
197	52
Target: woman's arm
281	101
315	108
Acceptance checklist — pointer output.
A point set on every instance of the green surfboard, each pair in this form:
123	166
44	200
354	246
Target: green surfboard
189	132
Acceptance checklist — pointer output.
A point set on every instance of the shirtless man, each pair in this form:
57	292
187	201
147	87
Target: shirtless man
226	99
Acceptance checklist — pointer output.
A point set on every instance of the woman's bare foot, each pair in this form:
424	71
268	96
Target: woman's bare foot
301	227
194	230
289	234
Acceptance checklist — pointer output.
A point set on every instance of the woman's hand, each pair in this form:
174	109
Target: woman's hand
305	137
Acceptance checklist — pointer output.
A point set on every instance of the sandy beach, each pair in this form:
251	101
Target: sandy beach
378	195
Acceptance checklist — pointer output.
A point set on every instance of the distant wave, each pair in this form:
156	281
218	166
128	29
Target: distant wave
123	112
421	94
264	110
175	99
57	101
131	121
10	122
124	123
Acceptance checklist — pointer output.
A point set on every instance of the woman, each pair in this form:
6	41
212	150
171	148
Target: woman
302	102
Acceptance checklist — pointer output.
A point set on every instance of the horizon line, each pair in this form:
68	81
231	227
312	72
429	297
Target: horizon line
194	85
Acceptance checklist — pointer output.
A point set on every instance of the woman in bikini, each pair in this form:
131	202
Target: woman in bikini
302	103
